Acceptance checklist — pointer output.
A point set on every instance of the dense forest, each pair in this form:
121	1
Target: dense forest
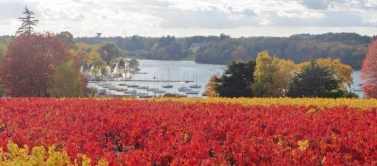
350	48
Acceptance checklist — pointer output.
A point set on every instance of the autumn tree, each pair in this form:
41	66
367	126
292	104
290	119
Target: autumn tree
109	51
239	54
134	63
30	63
90	54
369	72
314	81
236	80
263	75
210	87
341	71
67	38
83	58
271	75
68	82
281	77
27	23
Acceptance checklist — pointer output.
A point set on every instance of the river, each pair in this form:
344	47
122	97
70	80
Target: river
189	70
356	81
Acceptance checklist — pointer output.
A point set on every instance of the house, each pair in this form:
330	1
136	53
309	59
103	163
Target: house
195	46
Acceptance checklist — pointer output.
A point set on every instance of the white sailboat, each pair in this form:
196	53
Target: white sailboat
168	85
196	82
143	86
156	90
154	85
122	87
184	88
192	92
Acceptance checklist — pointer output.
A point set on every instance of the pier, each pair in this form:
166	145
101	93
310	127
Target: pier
179	81
182	81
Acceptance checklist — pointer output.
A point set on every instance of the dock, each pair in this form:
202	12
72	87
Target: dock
182	81
178	81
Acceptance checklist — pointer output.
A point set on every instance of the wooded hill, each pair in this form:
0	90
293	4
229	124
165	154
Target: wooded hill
350	48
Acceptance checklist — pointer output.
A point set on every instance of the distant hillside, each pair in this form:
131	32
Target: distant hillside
349	47
5	39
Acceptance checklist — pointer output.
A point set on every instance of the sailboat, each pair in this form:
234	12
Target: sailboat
154	87
143	86
193	92
133	85
121	87
196	83
168	85
158	90
184	88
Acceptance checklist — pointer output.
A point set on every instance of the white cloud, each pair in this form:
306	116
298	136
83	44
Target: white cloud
265	22
370	3
373	19
151	25
179	17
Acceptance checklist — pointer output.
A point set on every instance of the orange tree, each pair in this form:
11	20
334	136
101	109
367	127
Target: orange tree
369	72
210	87
29	64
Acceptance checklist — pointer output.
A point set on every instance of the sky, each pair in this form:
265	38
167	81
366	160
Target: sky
183	18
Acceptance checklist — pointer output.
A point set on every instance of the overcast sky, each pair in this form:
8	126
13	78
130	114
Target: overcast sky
193	17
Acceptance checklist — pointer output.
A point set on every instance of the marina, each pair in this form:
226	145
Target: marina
183	74
158	78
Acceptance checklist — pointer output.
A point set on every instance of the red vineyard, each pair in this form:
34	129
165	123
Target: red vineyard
142	132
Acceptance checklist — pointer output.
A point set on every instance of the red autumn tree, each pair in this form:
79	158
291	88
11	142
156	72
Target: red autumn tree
210	87
29	64
369	72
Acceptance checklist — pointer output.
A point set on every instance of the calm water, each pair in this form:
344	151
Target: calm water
178	70
356	81
171	70
189	70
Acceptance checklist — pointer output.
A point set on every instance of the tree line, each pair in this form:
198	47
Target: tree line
350	48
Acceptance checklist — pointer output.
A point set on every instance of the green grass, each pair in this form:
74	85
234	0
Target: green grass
189	58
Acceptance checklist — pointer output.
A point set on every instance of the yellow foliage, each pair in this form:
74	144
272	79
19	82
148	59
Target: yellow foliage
85	160
323	160
281	141
281	76
303	145
320	102
311	110
262	75
341	71
39	157
186	137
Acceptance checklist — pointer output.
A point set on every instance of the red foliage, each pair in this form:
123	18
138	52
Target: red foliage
148	132
369	72
30	63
